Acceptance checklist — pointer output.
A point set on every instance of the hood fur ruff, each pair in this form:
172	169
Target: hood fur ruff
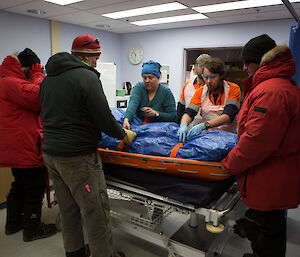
273	53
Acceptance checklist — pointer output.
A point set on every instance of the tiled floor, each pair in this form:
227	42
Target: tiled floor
13	245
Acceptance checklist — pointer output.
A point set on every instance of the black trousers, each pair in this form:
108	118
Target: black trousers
24	201
266	230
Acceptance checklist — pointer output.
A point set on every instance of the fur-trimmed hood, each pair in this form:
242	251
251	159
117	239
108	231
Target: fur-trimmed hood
11	67
273	53
276	63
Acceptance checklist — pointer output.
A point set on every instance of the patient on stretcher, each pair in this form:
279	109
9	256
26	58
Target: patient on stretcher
160	138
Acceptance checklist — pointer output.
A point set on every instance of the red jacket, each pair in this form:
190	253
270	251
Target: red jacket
20	123
266	159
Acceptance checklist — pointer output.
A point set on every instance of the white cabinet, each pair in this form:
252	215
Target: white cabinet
109	81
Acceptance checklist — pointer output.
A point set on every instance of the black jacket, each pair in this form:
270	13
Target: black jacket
74	108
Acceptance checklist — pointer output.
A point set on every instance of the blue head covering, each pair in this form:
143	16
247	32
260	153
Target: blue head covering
151	67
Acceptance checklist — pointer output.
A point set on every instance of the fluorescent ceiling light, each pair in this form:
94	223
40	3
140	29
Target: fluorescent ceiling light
63	2
146	10
188	17
238	5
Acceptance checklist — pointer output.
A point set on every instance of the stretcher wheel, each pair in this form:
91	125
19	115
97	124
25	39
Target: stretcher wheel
214	229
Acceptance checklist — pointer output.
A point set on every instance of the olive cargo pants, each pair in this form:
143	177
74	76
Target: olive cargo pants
81	193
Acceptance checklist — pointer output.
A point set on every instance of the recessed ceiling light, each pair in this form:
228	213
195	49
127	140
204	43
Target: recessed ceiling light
63	2
238	5
188	17
146	10
36	11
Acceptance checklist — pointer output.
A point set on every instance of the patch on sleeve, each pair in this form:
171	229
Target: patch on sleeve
260	109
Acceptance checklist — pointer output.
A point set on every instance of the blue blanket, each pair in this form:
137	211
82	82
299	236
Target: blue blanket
159	138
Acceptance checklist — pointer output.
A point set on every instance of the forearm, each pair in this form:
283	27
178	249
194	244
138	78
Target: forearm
134	104
222	119
186	119
166	116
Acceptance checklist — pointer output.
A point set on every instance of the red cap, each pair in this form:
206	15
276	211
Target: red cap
86	45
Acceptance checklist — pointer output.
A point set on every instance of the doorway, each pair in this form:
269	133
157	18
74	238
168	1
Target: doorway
231	56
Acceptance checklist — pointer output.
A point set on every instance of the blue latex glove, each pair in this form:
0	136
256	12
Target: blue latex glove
195	131
182	132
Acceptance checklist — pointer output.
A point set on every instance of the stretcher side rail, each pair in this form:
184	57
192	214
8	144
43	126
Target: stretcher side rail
188	168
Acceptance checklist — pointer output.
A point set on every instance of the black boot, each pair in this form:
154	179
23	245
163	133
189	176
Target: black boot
14	215
42	231
79	253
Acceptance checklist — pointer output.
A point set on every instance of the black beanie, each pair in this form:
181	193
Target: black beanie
28	57
255	49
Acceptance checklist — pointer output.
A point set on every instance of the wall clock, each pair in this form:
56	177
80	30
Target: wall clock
135	55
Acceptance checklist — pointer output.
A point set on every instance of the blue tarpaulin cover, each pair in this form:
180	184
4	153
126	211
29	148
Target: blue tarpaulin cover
159	138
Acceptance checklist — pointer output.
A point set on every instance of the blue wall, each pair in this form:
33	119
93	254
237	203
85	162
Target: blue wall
19	31
164	46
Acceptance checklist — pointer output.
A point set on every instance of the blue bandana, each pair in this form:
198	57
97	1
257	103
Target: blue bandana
151	67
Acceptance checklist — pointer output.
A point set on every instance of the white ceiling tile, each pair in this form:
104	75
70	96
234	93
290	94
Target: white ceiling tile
252	17
249	11
196	3
51	9
11	3
89	13
113	24
91	4
80	17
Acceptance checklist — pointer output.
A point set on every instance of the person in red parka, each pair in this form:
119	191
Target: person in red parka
266	160
20	148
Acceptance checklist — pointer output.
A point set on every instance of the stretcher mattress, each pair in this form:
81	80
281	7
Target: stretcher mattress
184	190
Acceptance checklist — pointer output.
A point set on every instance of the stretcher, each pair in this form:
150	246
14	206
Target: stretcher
204	170
178	213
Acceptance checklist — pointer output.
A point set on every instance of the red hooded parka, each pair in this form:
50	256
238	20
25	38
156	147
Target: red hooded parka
20	123
266	159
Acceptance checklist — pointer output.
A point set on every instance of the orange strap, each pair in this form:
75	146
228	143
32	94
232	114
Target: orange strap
121	145
147	120
175	150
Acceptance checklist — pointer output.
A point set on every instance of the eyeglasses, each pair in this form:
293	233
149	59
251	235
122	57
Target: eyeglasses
91	42
211	76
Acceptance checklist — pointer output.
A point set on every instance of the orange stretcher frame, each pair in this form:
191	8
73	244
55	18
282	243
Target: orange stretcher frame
203	170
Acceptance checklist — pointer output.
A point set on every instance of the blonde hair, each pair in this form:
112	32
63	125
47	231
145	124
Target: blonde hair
202	59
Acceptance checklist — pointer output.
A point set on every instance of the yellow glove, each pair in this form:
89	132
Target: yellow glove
129	137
